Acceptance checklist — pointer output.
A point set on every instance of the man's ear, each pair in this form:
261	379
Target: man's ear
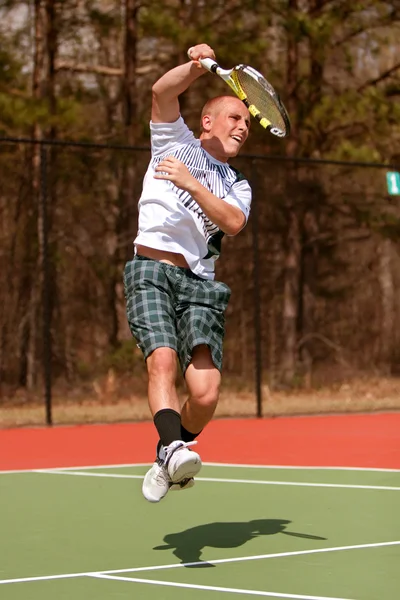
206	123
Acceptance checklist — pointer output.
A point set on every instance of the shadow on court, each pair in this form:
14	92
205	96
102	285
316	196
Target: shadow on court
188	544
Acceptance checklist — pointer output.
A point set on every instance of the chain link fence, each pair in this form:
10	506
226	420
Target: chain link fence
318	264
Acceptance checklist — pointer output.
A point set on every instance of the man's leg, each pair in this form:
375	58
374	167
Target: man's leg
149	292
162	395
175	462
203	380
200	333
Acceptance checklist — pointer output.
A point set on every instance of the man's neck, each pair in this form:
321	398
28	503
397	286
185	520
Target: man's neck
209	146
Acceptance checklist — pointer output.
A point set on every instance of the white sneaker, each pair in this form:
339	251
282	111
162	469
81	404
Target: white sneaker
180	462
185	484
156	482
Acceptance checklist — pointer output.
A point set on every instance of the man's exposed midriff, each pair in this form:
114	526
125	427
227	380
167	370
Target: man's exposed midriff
171	258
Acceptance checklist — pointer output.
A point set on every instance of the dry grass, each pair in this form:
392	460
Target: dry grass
361	395
111	399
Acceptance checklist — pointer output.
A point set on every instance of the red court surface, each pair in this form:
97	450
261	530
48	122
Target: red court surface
366	440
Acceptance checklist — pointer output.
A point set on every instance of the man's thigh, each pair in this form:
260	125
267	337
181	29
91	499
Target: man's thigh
149	305
201	320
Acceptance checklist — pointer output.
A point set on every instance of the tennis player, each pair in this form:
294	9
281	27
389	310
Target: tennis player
191	197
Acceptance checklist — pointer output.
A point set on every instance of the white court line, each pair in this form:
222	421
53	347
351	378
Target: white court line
209	464
119	466
213	588
199	563
86	474
311	468
222	480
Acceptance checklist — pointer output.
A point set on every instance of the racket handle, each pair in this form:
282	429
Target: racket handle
209	64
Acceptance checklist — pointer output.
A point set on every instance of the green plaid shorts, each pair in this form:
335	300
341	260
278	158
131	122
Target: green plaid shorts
172	307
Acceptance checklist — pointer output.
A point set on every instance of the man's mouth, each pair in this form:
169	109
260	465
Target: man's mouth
237	138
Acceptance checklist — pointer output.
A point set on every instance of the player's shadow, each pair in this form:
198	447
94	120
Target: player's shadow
187	545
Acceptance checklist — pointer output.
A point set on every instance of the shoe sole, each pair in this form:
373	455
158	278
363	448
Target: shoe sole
187	470
152	499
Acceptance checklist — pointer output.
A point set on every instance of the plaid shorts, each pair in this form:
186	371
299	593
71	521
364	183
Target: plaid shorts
171	306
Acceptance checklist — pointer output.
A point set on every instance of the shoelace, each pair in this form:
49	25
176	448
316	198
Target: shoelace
169	450
162	476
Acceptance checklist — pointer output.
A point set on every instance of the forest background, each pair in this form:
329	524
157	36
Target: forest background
314	321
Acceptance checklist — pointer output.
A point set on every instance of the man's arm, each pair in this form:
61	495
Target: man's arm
166	91
228	218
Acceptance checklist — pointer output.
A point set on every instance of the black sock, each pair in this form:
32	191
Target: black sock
168	425
187	436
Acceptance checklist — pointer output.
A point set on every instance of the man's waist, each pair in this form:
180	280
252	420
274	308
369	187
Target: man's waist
171	258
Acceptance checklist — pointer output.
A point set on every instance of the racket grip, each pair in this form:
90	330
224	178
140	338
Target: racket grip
209	64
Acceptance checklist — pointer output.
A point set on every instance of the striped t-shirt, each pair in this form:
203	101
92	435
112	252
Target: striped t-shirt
169	218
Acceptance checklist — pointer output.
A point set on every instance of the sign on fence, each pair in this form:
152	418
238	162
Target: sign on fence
393	182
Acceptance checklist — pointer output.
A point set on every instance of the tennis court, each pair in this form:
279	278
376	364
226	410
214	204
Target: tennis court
304	531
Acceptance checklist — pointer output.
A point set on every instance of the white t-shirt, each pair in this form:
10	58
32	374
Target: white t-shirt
169	218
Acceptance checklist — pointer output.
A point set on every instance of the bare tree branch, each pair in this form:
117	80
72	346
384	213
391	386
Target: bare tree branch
381	77
63	65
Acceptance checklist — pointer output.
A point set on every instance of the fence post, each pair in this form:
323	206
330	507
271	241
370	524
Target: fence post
45	291
256	293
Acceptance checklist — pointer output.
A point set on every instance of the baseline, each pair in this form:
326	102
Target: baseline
222	480
209	464
191	564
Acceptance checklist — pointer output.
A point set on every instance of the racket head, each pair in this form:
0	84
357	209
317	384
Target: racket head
261	99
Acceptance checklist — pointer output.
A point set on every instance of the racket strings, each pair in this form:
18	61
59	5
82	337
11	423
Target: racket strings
259	94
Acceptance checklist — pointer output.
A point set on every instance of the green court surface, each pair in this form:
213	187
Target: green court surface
302	533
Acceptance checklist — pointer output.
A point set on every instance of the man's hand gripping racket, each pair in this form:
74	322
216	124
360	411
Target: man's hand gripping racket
255	92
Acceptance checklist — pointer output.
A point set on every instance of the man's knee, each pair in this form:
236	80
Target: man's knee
203	378
204	388
205	395
162	362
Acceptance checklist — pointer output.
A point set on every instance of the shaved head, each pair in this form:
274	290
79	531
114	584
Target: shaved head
214	106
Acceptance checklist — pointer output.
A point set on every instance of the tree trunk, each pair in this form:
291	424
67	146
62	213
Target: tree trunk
127	209
298	296
387	325
51	287
291	297
292	243
36	283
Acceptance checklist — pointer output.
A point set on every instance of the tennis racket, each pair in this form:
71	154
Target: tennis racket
256	93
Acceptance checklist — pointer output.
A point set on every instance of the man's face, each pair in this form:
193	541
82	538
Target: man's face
226	129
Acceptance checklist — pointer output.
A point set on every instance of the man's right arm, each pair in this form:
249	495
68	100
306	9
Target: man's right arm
166	91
